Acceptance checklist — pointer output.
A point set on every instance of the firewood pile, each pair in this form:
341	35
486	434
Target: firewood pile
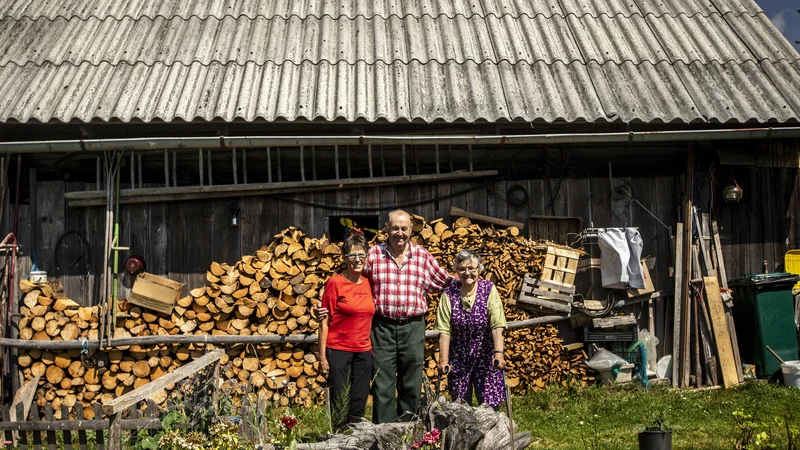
270	292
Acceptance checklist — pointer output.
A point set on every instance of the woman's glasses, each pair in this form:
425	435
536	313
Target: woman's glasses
353	257
467	269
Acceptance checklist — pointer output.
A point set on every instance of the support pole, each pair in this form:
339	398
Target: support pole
200	164
210	172
269	165
369	156
235	169
336	160
302	164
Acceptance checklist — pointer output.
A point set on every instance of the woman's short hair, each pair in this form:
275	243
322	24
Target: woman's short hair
355	239
467	255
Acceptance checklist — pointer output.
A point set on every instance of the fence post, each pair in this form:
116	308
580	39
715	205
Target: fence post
115	432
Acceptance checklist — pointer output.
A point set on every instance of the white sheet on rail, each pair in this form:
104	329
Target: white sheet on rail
621	251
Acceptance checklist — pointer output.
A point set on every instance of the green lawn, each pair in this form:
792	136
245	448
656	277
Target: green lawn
607	417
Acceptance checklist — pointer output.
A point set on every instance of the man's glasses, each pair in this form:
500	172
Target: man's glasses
352	257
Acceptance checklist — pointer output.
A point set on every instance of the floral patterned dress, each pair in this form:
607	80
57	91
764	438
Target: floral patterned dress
472	349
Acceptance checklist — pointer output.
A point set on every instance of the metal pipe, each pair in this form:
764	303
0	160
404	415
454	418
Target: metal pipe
217	142
145	341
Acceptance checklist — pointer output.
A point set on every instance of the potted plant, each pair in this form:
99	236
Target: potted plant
656	434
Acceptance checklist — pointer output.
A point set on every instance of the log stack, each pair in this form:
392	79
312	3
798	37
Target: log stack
271	292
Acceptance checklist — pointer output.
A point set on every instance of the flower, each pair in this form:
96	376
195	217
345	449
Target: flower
289	422
429	440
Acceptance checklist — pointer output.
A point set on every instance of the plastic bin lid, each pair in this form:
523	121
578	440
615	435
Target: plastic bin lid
765	279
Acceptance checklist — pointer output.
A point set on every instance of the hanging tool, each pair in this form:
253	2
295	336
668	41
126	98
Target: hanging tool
508	404
328	411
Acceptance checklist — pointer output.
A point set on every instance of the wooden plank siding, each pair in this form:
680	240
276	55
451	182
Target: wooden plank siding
180	239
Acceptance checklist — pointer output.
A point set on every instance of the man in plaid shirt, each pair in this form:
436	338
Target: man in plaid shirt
401	273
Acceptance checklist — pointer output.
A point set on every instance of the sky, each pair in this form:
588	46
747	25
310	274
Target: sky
784	15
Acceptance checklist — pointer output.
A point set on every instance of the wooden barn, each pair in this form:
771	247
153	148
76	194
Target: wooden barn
224	122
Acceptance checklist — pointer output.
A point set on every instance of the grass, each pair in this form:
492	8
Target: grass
610	415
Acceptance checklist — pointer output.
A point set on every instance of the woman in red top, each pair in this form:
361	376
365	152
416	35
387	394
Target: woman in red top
344	343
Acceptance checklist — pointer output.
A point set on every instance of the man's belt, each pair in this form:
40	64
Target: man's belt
398	320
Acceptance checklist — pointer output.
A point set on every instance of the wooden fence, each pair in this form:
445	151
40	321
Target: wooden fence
84	424
39	432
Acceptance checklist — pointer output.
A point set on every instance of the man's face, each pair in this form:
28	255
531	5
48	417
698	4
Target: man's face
399	231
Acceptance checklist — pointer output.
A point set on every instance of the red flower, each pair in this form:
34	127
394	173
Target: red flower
289	422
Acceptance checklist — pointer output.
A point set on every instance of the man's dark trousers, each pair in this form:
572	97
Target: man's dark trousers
398	357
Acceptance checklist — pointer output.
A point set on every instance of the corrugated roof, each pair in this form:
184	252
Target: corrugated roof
84	9
424	60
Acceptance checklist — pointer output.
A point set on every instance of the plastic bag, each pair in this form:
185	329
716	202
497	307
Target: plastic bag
604	360
650	342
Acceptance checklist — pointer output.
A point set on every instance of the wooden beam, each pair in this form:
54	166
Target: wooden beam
131	398
458	212
723	276
686	310
678	303
24	397
722	336
704	250
169	194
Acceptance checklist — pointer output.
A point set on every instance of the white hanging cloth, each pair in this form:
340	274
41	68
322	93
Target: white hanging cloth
621	252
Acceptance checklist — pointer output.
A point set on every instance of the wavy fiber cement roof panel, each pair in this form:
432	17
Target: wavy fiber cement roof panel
426	92
365	8
530	39
279	8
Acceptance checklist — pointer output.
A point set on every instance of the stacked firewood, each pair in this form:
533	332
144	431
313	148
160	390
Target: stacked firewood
536	357
271	292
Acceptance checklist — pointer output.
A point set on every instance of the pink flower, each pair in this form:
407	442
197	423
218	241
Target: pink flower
436	434
416	445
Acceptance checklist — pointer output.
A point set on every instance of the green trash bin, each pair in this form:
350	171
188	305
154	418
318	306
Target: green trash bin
764	316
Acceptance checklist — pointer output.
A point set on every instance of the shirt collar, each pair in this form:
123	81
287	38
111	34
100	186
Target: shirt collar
411	250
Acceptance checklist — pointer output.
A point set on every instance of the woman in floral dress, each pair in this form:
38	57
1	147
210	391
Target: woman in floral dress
470	321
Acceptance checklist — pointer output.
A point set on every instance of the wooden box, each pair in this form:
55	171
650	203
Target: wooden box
155	293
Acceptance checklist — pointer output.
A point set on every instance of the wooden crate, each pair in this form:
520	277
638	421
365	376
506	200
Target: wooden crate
560	266
554	289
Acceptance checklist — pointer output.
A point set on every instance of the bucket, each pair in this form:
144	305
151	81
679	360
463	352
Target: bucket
655	440
625	371
791	373
38	276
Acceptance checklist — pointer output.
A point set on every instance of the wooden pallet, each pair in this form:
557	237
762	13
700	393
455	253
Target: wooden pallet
544	295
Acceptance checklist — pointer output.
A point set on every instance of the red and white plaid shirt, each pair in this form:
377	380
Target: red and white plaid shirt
400	291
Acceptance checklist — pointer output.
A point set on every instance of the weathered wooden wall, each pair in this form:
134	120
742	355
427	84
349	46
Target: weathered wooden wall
179	240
